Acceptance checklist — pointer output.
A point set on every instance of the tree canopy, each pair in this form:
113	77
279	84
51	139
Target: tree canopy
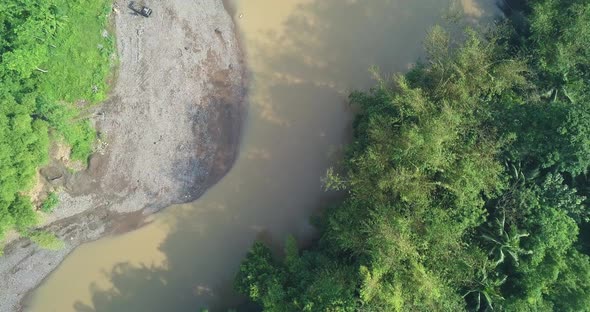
466	182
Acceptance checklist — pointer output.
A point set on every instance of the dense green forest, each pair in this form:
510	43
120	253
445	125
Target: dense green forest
466	181
55	57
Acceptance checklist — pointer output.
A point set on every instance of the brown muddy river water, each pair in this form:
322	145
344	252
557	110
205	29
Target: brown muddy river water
304	56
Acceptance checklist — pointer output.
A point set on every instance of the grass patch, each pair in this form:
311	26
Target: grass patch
78	69
47	240
50	202
81	61
55	60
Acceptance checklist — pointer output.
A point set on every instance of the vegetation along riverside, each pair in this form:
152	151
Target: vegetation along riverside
464	188
465	184
55	58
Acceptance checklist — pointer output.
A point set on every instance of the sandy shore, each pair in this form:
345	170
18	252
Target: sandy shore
171	130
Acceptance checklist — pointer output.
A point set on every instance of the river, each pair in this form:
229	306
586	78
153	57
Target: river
304	56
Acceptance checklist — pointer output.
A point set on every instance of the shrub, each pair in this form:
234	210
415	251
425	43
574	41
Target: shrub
47	240
50	202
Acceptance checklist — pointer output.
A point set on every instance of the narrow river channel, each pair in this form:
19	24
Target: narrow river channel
304	56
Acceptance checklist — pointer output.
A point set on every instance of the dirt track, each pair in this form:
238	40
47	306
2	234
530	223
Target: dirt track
172	127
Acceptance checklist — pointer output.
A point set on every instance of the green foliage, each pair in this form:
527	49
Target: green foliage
256	272
84	53
308	282
23	213
332	181
46	240
53	56
548	135
484	291
541	212
50	202
466	183
560	31
505	242
571	291
553	128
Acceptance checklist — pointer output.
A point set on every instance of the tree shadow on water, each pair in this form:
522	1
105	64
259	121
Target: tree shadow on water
130	283
325	50
198	271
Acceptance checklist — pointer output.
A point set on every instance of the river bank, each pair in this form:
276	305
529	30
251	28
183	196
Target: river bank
303	57
170	129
